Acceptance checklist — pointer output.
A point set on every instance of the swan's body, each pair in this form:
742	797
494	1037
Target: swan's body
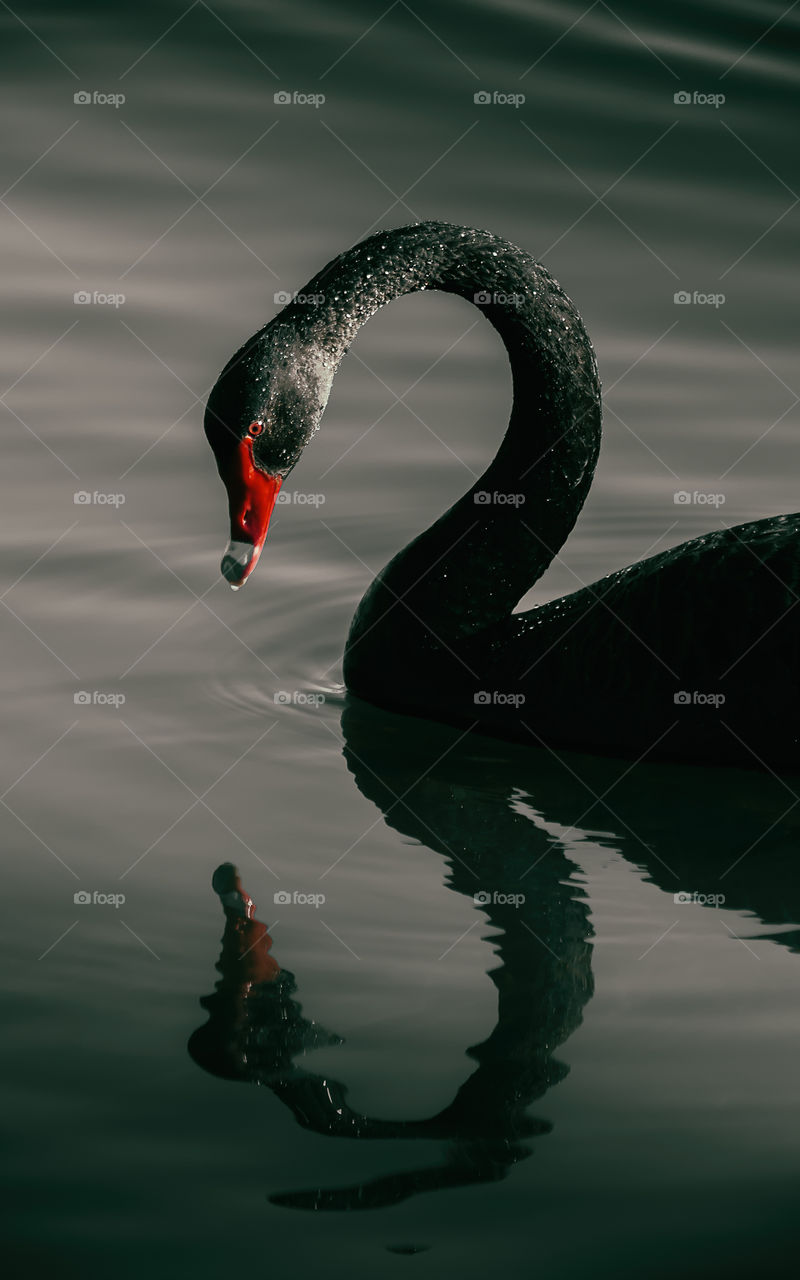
435	634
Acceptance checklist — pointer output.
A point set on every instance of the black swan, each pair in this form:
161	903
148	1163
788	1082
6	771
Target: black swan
691	654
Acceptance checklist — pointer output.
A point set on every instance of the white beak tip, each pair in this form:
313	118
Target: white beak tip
237	562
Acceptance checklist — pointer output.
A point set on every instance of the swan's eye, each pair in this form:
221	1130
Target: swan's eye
256	428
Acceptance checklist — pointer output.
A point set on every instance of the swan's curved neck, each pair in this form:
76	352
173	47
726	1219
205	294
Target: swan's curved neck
475	563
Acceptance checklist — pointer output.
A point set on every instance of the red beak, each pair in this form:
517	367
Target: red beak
251	497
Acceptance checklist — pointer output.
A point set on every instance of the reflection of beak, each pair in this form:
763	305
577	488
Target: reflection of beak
251	497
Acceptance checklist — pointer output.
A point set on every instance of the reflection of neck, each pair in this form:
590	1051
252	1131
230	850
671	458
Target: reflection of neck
544	978
245	957
479	559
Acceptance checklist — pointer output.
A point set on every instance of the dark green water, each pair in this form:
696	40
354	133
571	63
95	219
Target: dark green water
581	1075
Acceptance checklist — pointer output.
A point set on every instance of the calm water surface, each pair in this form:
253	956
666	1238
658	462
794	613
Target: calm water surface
574	1073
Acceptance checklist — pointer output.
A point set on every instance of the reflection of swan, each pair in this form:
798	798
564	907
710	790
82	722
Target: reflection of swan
462	800
257	1029
435	634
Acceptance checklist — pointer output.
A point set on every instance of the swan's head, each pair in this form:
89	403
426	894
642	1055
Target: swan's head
262	412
